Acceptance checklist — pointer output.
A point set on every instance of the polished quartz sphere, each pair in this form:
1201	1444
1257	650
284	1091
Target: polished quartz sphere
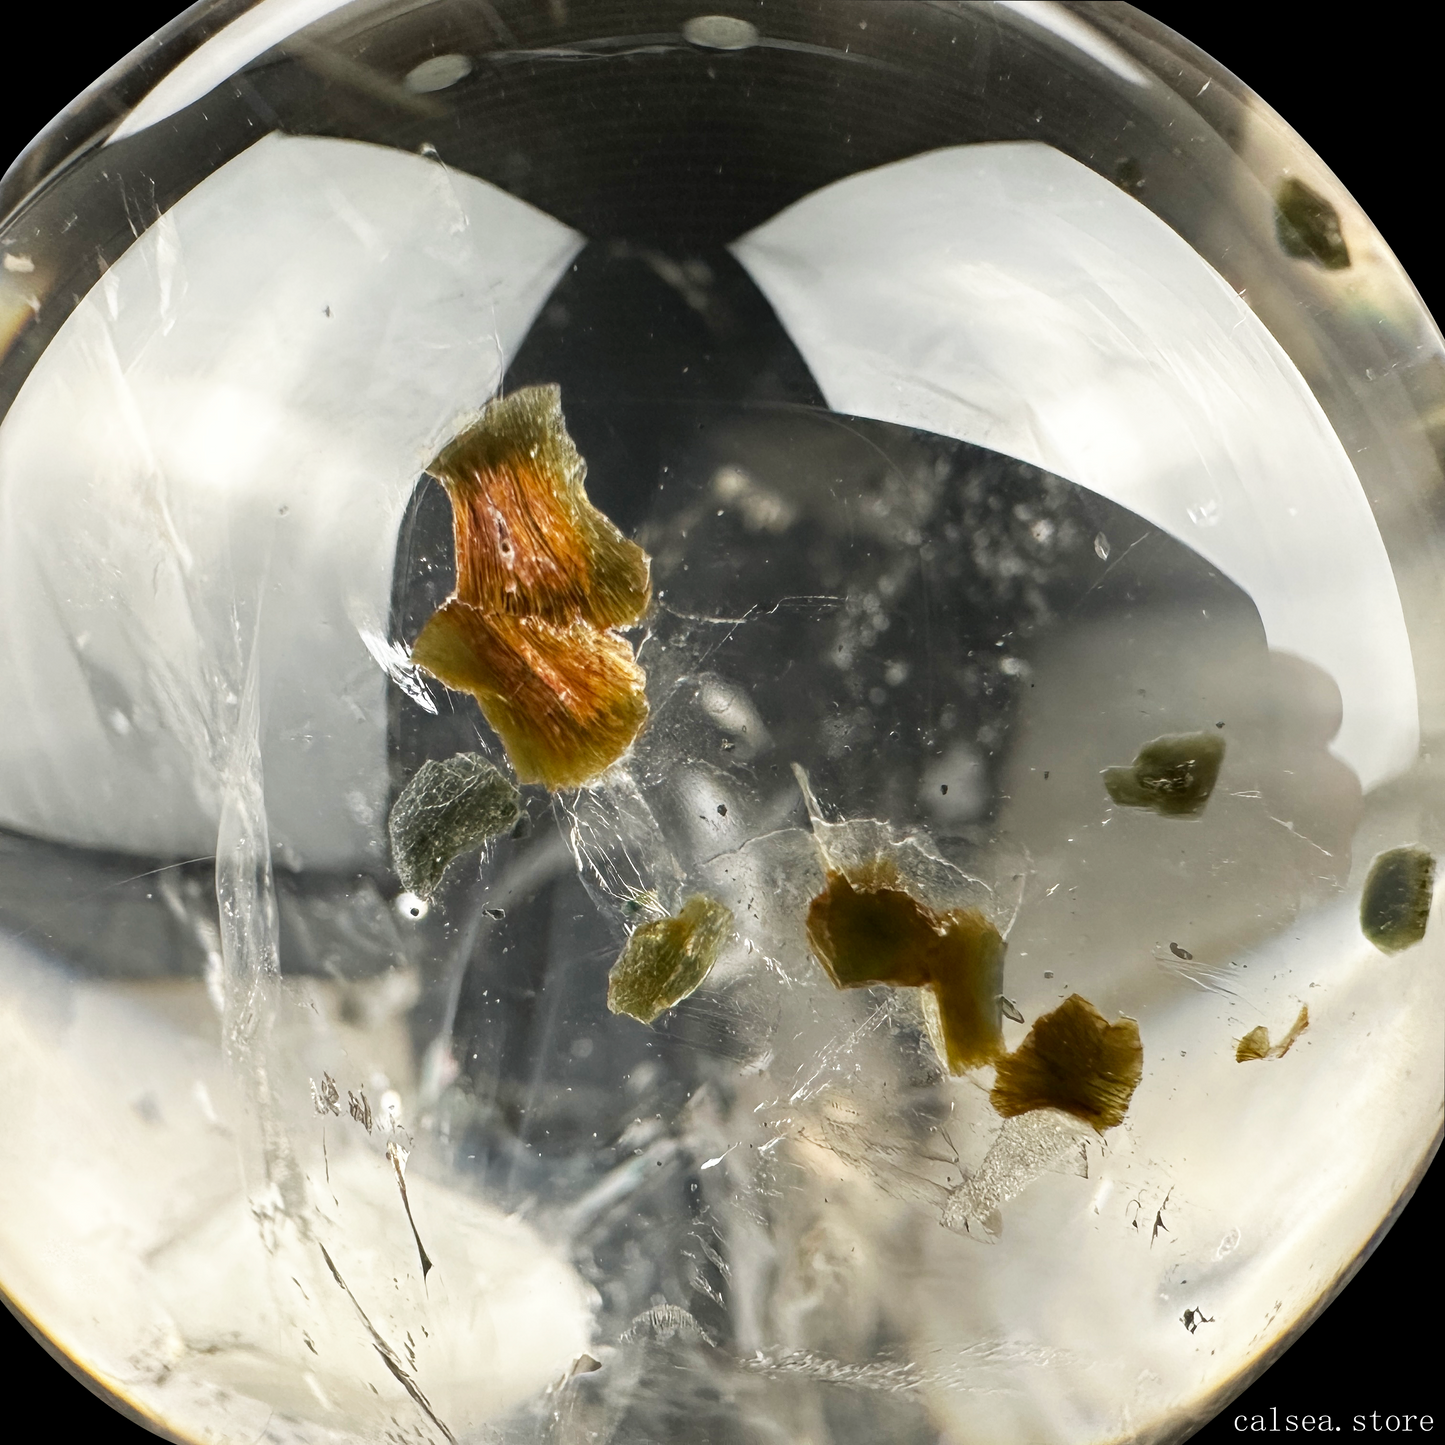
985	985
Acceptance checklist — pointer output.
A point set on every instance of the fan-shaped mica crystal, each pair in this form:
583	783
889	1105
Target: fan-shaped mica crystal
1256	1045
1073	1059
542	578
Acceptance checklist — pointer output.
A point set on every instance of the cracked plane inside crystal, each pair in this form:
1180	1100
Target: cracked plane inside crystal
1042	1139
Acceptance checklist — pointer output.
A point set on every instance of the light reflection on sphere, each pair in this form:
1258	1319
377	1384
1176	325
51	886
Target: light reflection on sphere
979	432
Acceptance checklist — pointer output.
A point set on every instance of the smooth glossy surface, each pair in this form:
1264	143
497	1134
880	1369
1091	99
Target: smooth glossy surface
991	398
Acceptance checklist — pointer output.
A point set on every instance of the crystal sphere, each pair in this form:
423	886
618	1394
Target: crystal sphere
716	726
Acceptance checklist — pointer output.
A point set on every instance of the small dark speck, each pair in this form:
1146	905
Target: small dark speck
495	912
1046	775
722	810
326	311
1219	725
943	788
1178	952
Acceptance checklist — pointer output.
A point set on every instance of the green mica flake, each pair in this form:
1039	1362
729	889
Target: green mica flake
1395	906
1308	227
1174	775
447	809
667	959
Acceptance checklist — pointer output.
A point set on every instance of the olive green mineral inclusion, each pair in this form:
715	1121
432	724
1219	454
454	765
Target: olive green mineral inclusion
665	960
1174	775
1308	226
1395	906
447	809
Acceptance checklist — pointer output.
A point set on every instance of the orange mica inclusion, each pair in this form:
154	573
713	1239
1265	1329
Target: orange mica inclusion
542	579
868	929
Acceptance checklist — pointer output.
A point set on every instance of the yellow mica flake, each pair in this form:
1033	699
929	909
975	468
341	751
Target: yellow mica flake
566	701
666	960
543	578
1073	1059
868	929
1255	1044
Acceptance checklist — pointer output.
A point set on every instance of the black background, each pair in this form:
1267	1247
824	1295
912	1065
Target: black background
1366	100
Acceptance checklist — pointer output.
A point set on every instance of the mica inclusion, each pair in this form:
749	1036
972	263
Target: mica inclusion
869	930
1256	1045
1395	905
543	578
1073	1059
1174	775
1308	226
667	959
447	809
